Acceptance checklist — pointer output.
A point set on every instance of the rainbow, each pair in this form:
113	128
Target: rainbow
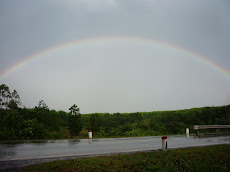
95	40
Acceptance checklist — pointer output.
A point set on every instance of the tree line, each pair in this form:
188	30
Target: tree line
156	123
18	122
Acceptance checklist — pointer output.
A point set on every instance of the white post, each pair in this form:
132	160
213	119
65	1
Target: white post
90	134
164	143
187	130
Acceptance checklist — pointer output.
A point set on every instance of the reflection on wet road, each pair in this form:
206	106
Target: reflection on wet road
26	151
59	148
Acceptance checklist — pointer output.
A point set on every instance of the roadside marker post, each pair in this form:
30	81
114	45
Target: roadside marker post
187	130
164	143
90	134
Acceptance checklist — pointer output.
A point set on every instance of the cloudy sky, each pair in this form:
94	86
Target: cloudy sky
116	55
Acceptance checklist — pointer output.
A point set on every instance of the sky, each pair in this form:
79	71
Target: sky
116	55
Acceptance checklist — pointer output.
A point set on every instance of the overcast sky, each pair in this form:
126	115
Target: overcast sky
117	75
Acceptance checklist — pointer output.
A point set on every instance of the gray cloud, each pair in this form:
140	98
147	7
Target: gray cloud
117	76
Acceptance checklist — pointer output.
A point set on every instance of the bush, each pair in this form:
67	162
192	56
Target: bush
136	132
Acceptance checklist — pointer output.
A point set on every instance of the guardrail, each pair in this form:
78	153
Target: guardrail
198	127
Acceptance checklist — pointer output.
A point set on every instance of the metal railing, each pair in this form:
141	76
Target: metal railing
198	127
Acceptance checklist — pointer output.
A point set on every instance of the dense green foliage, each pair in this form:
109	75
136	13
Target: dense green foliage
18	122
74	121
36	123
159	122
211	158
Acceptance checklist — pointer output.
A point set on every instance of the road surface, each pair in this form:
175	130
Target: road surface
18	154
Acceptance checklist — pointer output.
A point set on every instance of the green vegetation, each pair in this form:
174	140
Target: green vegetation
75	125
18	122
154	123
211	158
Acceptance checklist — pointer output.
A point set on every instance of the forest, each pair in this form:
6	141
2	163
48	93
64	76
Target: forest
20	123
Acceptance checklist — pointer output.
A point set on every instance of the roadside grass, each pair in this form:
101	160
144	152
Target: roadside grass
210	158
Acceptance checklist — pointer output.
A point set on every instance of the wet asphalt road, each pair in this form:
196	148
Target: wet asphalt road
18	154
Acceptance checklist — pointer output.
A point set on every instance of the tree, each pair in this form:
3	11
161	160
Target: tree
135	117
15	98
74	110
42	105
5	96
9	100
63	122
94	122
74	122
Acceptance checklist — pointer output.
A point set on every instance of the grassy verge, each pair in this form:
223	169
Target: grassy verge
210	158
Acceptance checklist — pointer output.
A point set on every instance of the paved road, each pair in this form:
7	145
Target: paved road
33	152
